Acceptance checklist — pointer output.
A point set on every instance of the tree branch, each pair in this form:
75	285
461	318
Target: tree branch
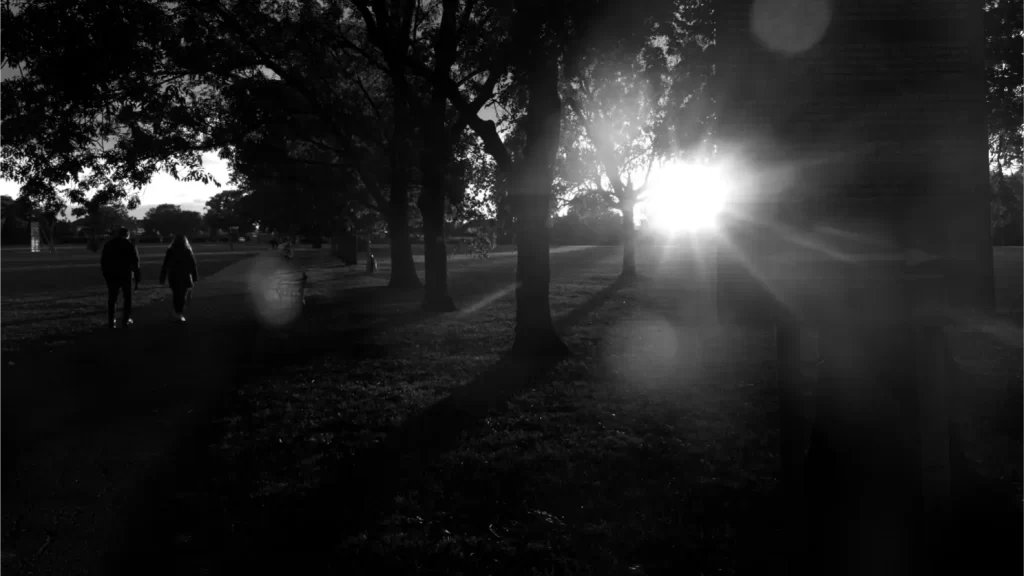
485	129
605	150
467	13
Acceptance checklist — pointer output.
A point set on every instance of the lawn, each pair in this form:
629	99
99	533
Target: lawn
386	441
371	438
585	467
52	299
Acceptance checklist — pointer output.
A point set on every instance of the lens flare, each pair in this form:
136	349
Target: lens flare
275	305
686	198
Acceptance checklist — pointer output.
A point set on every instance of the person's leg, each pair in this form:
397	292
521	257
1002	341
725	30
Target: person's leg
186	297
126	288
178	297
112	289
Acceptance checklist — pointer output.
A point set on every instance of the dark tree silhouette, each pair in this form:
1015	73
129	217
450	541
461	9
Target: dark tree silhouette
1004	61
170	219
637	97
433	41
103	119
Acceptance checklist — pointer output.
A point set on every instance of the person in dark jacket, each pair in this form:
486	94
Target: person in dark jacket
119	263
179	271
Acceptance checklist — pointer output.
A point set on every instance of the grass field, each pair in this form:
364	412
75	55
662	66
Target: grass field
372	438
609	457
50	299
386	442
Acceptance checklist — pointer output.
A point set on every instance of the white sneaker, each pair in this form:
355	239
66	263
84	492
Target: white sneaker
181	318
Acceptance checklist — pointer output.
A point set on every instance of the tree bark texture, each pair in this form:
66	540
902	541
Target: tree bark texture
535	331
628	237
403	268
434	160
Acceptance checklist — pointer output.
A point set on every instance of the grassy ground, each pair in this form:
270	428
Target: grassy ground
54	305
373	438
407	445
620	460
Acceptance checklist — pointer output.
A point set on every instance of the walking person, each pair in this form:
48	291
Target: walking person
119	263
179	271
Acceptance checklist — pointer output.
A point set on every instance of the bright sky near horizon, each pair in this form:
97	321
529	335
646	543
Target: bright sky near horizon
164	189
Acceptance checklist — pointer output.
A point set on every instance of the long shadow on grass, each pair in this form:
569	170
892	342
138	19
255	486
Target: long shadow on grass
356	490
367	310
96	311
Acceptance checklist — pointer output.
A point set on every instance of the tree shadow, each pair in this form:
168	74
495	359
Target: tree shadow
356	490
48	299
297	530
365	311
96	311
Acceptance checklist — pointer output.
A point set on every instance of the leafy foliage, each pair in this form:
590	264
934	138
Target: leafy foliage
1004	65
226	211
103	120
105	219
168	219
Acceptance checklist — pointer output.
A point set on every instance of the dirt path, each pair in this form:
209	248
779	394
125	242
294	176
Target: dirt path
92	441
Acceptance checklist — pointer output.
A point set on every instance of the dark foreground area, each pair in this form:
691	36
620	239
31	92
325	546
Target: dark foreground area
372	438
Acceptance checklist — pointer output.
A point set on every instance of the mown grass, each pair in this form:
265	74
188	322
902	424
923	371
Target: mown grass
56	319
652	450
50	318
619	460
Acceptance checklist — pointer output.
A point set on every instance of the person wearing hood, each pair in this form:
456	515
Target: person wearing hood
179	271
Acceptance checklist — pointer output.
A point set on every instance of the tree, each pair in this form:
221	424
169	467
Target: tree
102	219
98	123
536	38
445	37
46	210
1004	61
1008	208
171	219
327	109
225	211
633	108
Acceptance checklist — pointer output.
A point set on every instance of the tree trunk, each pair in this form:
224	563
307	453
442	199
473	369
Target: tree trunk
431	203
535	331
628	238
316	239
49	232
434	159
403	268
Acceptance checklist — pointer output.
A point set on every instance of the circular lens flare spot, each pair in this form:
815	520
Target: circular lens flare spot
790	26
272	291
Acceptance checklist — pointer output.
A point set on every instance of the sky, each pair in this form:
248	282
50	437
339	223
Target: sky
164	189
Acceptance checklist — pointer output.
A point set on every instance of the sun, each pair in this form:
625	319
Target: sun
686	198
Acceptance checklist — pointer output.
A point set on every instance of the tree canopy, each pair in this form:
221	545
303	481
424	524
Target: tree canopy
436	115
167	219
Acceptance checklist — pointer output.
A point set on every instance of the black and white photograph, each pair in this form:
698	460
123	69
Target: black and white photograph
511	287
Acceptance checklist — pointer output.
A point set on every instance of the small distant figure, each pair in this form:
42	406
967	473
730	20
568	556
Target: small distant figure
371	264
179	271
119	263
273	242
287	248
